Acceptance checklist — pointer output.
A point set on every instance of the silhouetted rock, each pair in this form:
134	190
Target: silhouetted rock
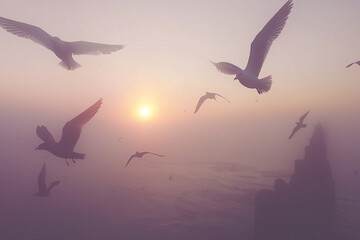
303	209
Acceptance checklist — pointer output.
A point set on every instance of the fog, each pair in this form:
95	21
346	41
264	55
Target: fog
219	158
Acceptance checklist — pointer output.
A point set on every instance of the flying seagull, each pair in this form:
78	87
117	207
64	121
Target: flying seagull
208	95
141	154
62	49
358	63
299	124
70	135
258	52
44	191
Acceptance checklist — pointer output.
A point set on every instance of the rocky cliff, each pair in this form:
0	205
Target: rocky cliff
303	209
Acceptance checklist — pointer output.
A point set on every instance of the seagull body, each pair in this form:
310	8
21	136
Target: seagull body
62	49
208	95
70	135
141	154
249	77
299	124
358	63
44	191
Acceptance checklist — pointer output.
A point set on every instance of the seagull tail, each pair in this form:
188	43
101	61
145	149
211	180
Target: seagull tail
264	85
70	64
76	155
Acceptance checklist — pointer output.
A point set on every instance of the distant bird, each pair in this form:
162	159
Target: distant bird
141	154
258	52
208	95
358	63
356	172
299	124
171	178
44	191
70	135
62	49
119	138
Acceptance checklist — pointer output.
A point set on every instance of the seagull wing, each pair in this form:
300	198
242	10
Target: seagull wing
82	47
226	68
349	65
53	184
45	135
153	154
72	129
263	40
222	97
41	179
27	31
302	118
130	159
358	63
296	128
200	102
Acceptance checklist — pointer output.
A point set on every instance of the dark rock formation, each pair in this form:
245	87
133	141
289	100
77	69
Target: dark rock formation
304	209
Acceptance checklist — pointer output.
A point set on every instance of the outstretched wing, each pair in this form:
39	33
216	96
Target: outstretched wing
45	135
358	63
130	160
53	184
72	129
153	154
302	118
41	179
226	68
222	97
27	31
296	128
263	40
82	47
200	102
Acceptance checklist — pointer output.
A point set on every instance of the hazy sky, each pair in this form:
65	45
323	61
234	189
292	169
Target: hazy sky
165	67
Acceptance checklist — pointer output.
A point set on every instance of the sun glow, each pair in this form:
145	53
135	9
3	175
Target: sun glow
145	111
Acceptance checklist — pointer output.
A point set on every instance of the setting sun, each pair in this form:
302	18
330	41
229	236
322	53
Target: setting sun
144	111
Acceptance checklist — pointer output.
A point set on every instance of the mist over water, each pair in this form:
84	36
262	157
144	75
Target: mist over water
215	161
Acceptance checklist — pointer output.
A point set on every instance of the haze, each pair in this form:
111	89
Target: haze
165	67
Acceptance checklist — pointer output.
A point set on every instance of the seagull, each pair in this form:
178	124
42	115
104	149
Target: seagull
141	154
44	191
299	124
258	52
208	95
62	49
358	63
70	135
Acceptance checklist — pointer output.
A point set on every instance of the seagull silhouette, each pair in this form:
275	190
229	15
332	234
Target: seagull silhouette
258	52
208	95
299	124
358	63
70	135
141	154
44	191
62	49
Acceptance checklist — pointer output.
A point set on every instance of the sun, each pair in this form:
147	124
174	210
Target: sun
145	111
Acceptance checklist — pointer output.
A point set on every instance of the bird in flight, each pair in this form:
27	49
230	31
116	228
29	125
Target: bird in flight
208	95
70	135
249	77
44	191
141	154
299	124
358	63
62	49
